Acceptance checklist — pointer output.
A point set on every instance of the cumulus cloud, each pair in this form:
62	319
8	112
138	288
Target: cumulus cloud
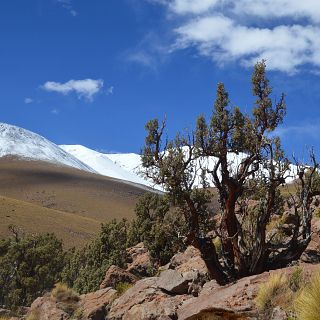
284	32
191	6
86	88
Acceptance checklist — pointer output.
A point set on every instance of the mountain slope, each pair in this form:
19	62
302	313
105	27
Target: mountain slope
15	141
123	168
131	163
73	229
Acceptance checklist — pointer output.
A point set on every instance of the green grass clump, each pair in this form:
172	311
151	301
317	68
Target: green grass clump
122	287
307	304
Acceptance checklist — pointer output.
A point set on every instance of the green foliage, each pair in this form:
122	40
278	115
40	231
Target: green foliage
122	287
29	265
296	280
86	267
160	228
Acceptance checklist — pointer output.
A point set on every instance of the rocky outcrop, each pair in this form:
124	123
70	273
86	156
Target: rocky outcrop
189	260
235	300
45	308
139	261
172	281
145	301
95	305
115	275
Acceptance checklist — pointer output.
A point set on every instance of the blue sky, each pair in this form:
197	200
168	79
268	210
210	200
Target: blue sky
93	72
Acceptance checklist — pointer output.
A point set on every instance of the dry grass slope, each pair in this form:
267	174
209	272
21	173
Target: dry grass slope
40	197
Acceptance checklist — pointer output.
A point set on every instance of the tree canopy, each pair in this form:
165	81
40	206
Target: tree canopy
241	157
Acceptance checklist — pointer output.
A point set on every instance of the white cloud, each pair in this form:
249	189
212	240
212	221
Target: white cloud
28	100
110	90
192	6
307	129
55	111
86	88
279	8
284	32
222	39
67	4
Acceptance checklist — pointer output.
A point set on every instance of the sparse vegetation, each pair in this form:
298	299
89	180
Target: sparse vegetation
122	287
307	304
66	298
269	291
34	315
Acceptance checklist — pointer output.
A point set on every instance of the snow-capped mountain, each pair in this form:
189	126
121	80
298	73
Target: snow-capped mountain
15	141
127	166
22	143
116	166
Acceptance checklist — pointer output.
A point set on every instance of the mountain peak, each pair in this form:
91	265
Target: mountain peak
22	143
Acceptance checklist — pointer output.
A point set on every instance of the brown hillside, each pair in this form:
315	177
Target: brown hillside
89	198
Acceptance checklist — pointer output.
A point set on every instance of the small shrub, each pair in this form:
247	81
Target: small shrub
307	304
122	287
269	291
61	293
66	298
296	279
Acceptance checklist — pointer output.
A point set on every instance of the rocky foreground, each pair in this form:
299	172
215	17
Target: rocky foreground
181	290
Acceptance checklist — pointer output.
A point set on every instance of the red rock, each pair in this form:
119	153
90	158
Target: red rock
95	304
139	260
116	275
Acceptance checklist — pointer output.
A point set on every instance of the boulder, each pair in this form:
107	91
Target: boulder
145	301
116	275
172	281
235	300
95	305
44	308
189	260
139	260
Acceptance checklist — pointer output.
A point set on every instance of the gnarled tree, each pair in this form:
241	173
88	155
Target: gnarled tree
243	160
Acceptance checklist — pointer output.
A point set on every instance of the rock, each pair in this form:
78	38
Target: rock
172	281
95	304
145	301
116	275
310	256
189	260
139	261
278	314
233	301
44	308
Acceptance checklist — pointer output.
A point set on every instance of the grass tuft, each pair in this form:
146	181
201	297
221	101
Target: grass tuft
307	304
270	291
66	298
122	287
